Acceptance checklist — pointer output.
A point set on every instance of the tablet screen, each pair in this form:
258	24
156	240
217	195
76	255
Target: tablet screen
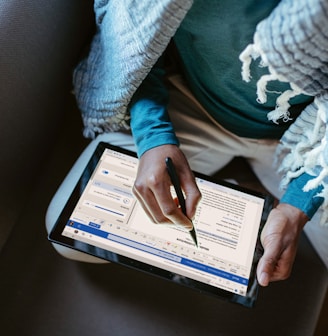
103	218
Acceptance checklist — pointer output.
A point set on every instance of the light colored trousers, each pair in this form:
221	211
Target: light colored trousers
207	146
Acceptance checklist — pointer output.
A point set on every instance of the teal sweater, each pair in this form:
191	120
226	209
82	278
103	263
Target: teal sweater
209	42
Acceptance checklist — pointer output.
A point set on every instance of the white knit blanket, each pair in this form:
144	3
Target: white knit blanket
130	37
292	42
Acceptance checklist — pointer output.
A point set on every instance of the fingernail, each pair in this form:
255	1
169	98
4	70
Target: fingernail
264	279
188	228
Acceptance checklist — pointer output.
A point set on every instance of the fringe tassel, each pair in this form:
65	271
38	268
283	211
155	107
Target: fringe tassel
246	57
315	182
281	110
303	151
252	52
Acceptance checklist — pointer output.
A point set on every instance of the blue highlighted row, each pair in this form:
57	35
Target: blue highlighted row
93	228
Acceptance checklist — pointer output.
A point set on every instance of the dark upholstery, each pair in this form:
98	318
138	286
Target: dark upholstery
42	293
40	42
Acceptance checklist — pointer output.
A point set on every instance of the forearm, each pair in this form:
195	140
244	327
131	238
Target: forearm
150	123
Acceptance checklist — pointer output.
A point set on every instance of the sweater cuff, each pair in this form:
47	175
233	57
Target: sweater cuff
151	141
308	202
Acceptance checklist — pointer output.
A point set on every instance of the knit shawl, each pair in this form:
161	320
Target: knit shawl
130	37
292	42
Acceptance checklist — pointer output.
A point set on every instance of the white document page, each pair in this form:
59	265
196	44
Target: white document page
227	223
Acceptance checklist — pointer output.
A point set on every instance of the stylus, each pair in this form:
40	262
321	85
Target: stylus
176	184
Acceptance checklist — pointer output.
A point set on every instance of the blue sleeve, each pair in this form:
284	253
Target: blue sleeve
308	202
150	122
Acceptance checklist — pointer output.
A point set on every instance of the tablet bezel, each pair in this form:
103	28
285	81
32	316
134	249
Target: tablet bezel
56	236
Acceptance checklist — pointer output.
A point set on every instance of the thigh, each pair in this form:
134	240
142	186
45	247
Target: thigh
207	145
261	157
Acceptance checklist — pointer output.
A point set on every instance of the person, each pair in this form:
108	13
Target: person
210	111
208	42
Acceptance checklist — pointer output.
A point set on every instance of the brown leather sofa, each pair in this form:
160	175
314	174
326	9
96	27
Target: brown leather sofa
42	293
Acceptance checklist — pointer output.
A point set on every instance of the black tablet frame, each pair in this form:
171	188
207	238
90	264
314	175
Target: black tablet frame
56	236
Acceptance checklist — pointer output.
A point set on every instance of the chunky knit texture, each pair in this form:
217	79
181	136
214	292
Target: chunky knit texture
130	37
293	43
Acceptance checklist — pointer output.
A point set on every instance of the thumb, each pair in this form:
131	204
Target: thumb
268	263
265	270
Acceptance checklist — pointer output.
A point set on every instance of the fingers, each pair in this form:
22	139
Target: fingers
156	199
143	189
276	262
191	191
271	241
153	187
280	238
143	204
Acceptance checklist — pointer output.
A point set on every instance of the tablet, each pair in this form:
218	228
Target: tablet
103	218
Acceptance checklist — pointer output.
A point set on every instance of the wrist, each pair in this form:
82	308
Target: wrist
294	214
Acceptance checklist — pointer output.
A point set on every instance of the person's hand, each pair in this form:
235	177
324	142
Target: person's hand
279	239
152	186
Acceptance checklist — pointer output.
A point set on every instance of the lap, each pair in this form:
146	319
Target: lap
207	146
